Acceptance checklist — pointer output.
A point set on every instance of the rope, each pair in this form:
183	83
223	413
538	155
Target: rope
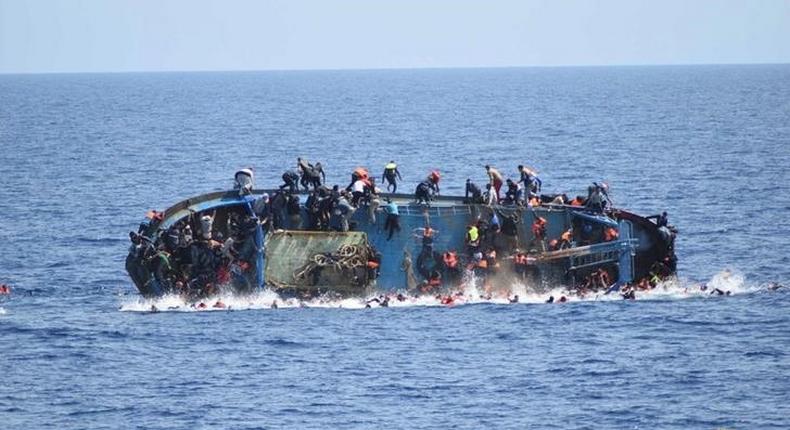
346	257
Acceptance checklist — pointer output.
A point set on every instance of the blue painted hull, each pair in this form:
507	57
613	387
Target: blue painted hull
632	255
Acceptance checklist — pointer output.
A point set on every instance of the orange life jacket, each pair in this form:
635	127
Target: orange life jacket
361	173
610	234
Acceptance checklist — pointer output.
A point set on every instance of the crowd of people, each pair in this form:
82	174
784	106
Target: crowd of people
196	263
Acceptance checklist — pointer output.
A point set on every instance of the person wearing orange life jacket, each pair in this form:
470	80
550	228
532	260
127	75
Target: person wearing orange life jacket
360	173
610	234
577	201
373	265
434	177
539	231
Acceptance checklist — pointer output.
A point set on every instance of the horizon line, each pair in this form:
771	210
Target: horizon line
396	68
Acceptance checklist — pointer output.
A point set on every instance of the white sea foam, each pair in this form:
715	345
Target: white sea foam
471	293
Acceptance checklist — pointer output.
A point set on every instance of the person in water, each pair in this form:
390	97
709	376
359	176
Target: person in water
391	175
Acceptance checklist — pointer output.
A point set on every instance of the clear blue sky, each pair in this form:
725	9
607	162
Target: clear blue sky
138	35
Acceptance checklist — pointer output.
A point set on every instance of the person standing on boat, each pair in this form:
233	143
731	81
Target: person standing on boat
530	179
391	175
495	179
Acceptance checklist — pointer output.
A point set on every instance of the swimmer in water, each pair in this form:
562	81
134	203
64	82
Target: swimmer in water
514	299
550	300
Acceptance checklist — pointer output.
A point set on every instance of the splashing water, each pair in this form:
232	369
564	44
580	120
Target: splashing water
725	282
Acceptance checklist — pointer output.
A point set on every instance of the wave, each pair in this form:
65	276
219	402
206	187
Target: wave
724	283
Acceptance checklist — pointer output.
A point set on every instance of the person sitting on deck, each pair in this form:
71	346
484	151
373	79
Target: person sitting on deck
566	239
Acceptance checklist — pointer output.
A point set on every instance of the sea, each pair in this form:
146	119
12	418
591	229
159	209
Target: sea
84	156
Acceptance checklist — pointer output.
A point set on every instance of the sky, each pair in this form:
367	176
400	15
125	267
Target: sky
42	36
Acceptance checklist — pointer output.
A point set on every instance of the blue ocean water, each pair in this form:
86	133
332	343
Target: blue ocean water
84	156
